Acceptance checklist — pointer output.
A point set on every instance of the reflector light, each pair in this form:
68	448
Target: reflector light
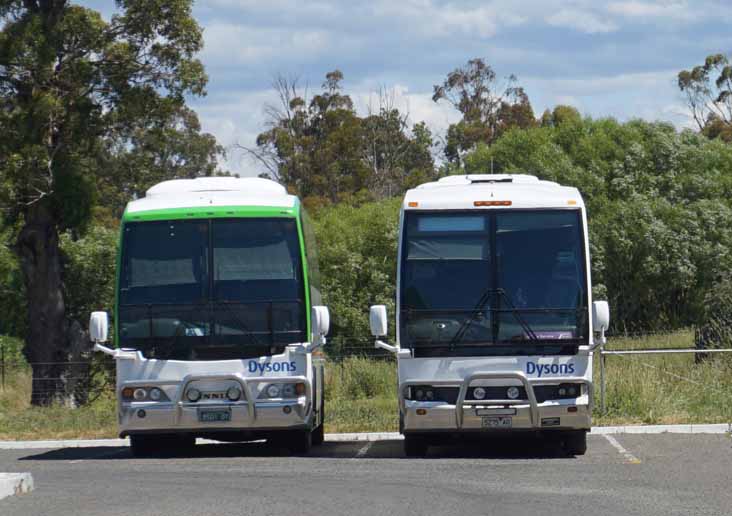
492	203
571	409
421	412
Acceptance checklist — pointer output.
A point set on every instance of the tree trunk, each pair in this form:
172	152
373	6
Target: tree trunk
47	346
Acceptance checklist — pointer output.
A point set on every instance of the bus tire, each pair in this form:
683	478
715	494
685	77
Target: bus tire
575	443
145	446
300	442
415	446
319	432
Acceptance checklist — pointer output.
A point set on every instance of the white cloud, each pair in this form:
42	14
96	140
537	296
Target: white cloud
582	21
229	43
674	9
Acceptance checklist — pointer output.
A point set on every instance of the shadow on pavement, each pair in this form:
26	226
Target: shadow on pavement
480	447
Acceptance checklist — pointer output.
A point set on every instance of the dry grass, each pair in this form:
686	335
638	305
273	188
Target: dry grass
20	421
361	395
664	389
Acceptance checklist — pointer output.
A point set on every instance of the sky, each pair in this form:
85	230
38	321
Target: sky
606	58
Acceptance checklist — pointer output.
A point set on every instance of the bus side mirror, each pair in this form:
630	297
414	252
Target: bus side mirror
600	318
98	327
378	321
320	319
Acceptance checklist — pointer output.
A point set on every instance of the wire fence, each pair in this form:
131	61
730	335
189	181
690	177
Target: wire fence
94	376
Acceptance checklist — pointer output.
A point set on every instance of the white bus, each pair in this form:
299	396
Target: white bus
495	320
217	315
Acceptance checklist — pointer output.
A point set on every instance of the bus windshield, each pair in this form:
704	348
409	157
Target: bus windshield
504	282
211	289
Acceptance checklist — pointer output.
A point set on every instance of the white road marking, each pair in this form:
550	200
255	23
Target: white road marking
364	450
629	457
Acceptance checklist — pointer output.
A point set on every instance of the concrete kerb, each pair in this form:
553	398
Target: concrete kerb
15	484
381	436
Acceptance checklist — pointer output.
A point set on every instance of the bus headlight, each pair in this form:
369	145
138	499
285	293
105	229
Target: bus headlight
479	393
144	393
282	390
512	393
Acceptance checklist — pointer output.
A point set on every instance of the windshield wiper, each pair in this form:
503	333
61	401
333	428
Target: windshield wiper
479	307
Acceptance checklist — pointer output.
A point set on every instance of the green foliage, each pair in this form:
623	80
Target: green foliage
658	204
326	153
488	108
90	270
708	92
356	378
358	247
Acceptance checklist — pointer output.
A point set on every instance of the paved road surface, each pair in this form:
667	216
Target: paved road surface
651	475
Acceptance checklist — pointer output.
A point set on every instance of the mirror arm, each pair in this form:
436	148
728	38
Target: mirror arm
388	347
600	341
115	353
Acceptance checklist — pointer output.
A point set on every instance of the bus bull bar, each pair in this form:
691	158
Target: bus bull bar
464	384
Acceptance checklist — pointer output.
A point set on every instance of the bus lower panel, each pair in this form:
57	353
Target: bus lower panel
220	434
442	418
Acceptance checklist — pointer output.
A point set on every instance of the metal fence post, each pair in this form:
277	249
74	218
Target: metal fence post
602	380
2	364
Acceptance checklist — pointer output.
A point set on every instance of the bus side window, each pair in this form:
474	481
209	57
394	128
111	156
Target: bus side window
311	254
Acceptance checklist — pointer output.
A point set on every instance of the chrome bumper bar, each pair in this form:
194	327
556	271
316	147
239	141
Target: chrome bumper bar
464	384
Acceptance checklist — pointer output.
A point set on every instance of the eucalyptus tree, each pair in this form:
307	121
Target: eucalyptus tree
69	81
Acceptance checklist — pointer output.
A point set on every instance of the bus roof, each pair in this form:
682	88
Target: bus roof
491	191
211	193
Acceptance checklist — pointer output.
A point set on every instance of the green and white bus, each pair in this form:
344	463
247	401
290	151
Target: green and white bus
218	313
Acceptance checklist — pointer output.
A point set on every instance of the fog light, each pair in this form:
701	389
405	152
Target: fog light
193	395
140	394
156	394
479	393
287	409
141	414
512	393
233	393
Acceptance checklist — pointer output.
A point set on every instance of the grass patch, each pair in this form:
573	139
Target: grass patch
20	421
361	395
663	389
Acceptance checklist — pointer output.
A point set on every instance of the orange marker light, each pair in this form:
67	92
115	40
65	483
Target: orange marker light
300	388
572	203
412	204
492	203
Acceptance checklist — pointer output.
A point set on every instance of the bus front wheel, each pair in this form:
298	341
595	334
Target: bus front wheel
415	446
575	443
300	442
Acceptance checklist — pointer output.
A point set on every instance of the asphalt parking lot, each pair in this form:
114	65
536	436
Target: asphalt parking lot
665	474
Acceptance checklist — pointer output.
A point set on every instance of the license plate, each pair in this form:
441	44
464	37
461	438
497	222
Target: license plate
497	422
214	416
